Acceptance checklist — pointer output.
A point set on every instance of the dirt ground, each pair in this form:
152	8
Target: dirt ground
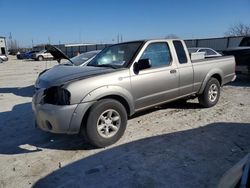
175	145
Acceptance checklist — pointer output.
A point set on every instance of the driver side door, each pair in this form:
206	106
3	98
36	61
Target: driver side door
159	83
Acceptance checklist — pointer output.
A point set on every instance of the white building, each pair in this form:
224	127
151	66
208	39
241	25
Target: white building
3	47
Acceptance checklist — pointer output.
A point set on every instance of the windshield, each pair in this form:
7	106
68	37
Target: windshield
116	56
42	51
82	58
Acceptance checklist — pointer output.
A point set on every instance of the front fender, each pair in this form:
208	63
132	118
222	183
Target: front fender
208	76
104	91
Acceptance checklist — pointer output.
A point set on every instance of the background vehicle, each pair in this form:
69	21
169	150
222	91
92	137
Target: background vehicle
242	57
44	54
26	55
80	60
125	78
3	58
238	175
83	58
209	52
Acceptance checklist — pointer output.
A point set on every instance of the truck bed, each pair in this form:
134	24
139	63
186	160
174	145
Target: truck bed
206	67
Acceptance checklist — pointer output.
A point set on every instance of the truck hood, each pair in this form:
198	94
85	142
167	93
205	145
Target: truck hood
61	74
56	53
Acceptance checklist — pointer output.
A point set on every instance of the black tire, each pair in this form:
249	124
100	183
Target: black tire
205	98
90	131
40	58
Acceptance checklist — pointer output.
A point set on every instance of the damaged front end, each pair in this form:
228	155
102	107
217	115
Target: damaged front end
57	96
52	109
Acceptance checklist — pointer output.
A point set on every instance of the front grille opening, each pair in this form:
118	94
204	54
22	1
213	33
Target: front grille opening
57	96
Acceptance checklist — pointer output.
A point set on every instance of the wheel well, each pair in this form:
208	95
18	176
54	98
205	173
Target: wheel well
119	99
84	120
115	97
218	77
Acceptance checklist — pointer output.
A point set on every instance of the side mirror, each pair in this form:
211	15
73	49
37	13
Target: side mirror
142	64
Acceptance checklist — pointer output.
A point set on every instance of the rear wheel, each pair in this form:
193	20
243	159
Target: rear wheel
106	123
211	93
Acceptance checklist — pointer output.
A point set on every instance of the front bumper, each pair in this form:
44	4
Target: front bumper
53	118
65	119
234	78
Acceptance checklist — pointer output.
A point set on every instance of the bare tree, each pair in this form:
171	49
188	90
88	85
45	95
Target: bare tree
13	46
239	29
171	36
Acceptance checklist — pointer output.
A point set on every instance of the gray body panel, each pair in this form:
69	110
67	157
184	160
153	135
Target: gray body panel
141	90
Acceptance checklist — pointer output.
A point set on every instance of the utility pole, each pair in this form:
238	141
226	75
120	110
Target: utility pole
118	38
32	43
10	41
121	38
80	37
49	39
10	36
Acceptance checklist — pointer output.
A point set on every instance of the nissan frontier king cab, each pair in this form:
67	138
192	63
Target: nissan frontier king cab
96	100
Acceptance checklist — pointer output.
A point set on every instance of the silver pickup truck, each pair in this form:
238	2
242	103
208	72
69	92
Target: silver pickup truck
96	100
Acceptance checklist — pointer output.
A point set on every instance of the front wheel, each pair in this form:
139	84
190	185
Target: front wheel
211	93
106	123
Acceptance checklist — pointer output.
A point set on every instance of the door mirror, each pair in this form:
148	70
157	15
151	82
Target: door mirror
142	64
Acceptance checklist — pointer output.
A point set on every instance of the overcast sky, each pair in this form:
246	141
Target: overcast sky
94	21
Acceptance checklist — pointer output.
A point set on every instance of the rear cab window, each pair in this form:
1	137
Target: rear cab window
181	54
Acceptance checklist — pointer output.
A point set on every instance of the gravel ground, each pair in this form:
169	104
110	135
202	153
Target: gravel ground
175	145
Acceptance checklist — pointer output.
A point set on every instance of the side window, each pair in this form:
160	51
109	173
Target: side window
181	54
203	50
207	51
158	54
210	52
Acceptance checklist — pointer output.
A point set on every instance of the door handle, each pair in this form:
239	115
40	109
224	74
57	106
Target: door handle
173	71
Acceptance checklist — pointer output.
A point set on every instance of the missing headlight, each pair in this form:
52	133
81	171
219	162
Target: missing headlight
57	96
